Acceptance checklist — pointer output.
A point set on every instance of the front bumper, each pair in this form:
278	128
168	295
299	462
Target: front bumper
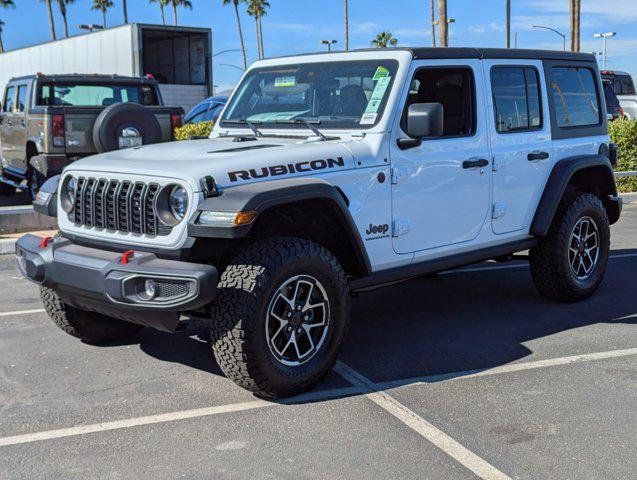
100	281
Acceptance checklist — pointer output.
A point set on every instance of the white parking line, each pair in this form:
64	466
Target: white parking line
440	439
21	312
174	416
513	367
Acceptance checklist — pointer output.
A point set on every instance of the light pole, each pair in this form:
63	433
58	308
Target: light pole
553	30
233	66
604	36
226	51
329	44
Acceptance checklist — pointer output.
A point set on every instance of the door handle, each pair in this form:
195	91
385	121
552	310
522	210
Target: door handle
23	123
475	163
537	156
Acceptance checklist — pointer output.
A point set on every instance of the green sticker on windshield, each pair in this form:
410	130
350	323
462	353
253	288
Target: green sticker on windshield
381	72
377	95
285	81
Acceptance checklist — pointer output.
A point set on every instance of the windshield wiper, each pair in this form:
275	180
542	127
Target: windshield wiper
249	124
307	123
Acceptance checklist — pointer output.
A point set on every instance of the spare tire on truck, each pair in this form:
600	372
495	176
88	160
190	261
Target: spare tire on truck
122	125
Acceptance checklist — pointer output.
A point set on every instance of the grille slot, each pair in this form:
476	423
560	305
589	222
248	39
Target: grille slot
118	206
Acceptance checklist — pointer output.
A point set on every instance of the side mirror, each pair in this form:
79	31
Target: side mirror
423	120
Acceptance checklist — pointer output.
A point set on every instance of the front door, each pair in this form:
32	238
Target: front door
6	126
441	189
19	156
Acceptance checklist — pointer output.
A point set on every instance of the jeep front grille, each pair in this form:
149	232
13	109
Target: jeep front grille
119	206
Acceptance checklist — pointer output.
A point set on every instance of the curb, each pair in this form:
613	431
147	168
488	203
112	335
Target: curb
7	246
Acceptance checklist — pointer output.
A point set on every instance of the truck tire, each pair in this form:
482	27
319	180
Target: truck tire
281	314
116	118
6	190
89	327
568	264
36	180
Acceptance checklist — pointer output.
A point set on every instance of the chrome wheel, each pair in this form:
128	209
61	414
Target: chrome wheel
583	250
298	318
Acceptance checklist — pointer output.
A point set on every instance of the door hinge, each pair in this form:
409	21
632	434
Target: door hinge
400	227
499	210
396	174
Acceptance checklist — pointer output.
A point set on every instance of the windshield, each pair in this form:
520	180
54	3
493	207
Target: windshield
339	95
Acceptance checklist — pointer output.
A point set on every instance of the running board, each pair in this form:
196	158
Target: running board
414	270
18	186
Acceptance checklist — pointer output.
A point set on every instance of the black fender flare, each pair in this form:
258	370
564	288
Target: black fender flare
260	196
559	179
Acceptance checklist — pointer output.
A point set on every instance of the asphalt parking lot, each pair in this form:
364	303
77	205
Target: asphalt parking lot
468	374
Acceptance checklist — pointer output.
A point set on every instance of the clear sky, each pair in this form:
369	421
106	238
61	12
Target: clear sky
297	26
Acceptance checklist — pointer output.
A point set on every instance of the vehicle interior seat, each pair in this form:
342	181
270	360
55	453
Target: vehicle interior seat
353	100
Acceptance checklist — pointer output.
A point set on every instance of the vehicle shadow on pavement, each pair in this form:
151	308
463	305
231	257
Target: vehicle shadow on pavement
447	324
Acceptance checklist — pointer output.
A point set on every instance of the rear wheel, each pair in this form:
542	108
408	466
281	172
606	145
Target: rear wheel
280	317
89	327
569	263
36	180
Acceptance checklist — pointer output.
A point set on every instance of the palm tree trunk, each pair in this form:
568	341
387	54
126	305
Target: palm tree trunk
443	27
261	38
432	19
1	45
256	24
508	24
578	12
175	12
104	19
51	23
163	15
66	25
346	26
243	47
125	11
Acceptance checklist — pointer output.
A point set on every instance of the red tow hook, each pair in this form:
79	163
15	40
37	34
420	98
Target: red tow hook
126	256
45	242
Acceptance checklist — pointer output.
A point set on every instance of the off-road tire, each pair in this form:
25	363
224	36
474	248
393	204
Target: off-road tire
89	327
549	261
238	333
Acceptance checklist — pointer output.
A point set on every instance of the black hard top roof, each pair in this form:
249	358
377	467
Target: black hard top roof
85	78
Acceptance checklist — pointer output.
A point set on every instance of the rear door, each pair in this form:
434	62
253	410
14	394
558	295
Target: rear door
520	137
18	159
6	125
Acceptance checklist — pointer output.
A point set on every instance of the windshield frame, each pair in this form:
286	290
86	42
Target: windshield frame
230	123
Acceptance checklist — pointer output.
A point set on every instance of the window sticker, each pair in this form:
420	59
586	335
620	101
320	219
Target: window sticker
288	81
377	95
368	119
381	72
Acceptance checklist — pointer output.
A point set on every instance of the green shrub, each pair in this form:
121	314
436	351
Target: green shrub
624	134
194	130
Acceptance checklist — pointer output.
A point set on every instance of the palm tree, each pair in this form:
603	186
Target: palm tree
384	40
257	9
125	11
508	24
102	6
575	12
180	3
236	11
346	26
63	4
51	21
162	4
432	19
4	4
443	26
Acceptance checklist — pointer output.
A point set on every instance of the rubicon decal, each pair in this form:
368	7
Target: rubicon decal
377	231
276	170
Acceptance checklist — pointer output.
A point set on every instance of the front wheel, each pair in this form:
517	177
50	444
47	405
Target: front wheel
569	263
280	317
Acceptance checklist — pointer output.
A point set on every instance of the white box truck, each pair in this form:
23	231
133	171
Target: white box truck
179	58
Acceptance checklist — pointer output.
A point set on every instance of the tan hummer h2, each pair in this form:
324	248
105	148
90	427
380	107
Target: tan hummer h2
47	122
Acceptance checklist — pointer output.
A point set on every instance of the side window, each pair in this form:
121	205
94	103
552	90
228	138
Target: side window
575	97
516	99
7	106
627	86
22	98
454	89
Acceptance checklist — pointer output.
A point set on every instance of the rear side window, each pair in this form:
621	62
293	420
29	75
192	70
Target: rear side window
7	106
94	95
516	99
22	98
575	97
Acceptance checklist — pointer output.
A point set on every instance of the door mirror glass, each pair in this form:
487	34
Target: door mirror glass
425	120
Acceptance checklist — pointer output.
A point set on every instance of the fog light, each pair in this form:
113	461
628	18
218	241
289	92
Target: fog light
151	288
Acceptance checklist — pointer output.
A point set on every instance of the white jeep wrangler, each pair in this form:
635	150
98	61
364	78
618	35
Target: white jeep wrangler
325	176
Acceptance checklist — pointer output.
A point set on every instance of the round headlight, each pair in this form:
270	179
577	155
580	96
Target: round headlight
178	202
69	188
